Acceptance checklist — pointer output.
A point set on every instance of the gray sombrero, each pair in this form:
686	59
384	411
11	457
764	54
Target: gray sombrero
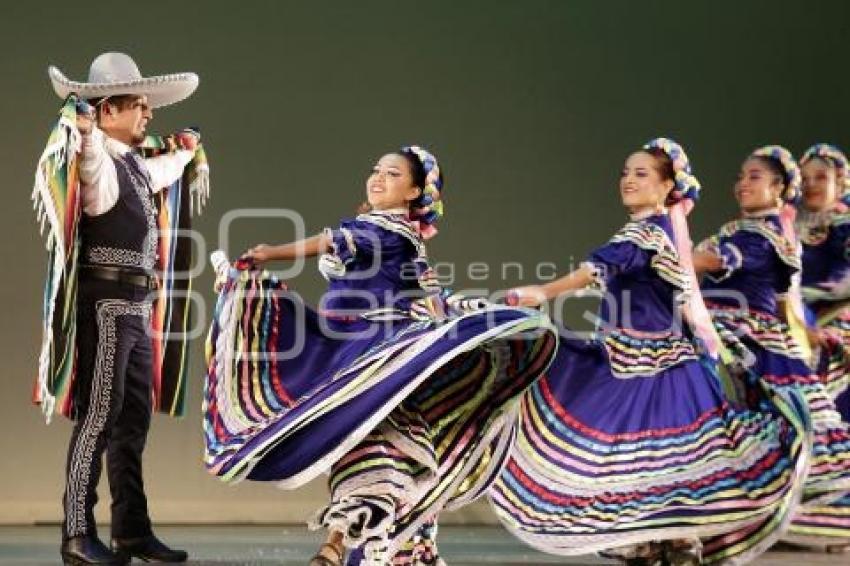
114	74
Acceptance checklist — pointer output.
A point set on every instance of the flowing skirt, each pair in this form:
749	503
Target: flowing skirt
413	412
607	461
823	516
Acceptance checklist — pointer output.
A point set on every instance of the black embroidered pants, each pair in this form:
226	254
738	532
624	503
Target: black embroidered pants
112	408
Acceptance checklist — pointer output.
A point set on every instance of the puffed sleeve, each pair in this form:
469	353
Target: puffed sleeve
616	258
353	239
742	251
364	242
731	257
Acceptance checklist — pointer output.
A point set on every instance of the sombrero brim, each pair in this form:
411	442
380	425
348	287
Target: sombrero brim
161	90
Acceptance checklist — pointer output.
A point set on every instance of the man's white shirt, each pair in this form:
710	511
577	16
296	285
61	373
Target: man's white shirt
99	180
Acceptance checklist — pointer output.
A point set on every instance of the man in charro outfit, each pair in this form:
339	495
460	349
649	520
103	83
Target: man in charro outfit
114	255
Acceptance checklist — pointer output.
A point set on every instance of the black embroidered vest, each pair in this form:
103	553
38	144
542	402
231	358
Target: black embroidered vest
125	235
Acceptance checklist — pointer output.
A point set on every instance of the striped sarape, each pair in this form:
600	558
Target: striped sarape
412	412
56	197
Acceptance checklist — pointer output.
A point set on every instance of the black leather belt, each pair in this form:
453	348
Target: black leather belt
119	275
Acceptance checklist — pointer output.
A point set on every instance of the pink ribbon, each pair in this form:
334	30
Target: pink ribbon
787	216
700	318
427	231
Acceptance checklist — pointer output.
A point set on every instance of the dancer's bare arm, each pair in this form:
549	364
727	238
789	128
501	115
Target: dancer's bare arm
308	247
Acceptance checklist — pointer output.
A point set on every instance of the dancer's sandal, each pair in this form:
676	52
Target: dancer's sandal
682	553
648	554
322	560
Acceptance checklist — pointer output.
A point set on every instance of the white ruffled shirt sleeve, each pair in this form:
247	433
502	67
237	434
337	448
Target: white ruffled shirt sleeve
99	180
167	168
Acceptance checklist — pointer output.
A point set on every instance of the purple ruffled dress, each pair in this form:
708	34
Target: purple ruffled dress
629	438
406	395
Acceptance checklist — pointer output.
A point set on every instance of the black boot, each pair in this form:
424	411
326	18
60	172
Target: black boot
87	549
149	549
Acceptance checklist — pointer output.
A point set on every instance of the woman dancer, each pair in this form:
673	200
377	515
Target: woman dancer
750	266
406	395
628	440
823	227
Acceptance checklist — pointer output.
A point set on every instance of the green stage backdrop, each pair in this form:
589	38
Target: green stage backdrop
531	105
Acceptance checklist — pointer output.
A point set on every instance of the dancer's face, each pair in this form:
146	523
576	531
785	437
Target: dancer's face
820	187
641	185
126	121
758	187
391	183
